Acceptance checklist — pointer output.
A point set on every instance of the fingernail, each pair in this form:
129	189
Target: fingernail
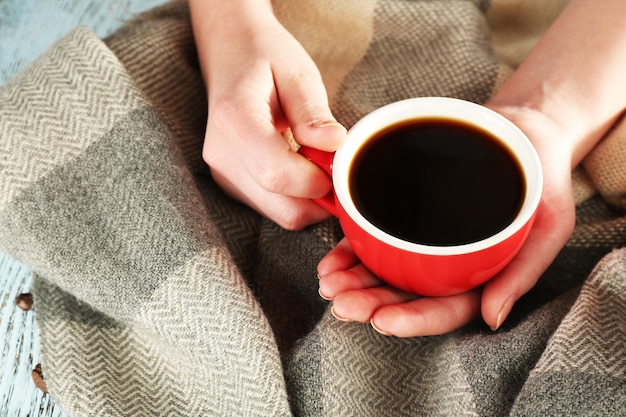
504	311
332	311
319	291
384	333
326	123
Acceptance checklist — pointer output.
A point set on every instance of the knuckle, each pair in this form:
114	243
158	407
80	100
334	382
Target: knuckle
291	218
223	110
272	178
208	156
215	148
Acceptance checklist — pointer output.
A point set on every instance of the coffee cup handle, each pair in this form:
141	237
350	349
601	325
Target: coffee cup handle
324	160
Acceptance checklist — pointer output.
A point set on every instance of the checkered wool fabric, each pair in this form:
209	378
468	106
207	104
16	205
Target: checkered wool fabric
156	295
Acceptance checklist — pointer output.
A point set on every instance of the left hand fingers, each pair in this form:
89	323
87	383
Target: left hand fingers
358	295
340	270
427	316
396	313
361	304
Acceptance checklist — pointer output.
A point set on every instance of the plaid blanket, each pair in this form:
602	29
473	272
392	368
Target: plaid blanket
158	295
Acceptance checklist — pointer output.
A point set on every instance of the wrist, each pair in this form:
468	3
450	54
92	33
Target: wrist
538	124
233	17
226	32
553	117
573	78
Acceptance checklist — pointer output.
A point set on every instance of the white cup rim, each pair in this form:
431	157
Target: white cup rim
441	107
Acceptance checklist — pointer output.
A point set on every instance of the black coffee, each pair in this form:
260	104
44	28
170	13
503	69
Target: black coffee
437	182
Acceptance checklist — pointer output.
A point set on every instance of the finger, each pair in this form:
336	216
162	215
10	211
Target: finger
427	316
277	169
254	143
550	232
340	258
340	270
355	278
305	105
361	304
291	213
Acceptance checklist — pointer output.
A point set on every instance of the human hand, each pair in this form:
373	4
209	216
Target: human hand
261	84
360	296
564	113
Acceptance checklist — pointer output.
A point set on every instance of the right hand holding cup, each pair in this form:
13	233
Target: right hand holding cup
267	87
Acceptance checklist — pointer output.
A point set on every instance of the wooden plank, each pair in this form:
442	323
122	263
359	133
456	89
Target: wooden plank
20	349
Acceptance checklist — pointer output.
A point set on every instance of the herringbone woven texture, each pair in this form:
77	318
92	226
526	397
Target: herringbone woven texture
158	295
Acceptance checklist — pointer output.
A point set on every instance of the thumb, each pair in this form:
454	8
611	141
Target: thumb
552	228
305	105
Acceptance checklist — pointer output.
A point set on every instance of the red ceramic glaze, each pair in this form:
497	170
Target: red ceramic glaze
430	274
423	269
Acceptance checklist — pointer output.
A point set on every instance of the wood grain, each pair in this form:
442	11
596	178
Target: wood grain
20	351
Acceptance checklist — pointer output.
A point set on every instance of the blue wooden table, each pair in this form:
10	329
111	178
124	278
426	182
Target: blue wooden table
27	29
20	352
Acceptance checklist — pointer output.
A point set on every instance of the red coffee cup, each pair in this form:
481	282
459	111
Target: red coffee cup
439	265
